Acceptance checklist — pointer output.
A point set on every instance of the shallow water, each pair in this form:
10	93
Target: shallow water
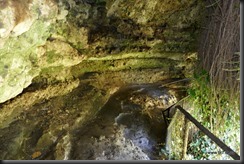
88	123
122	118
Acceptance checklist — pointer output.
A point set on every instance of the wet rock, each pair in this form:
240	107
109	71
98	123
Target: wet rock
80	29
121	130
89	117
114	147
73	55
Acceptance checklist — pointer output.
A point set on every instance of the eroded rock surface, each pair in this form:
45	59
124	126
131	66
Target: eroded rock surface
60	62
24	25
122	130
50	124
43	37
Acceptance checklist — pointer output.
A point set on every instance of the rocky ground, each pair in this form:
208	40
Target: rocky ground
61	61
45	126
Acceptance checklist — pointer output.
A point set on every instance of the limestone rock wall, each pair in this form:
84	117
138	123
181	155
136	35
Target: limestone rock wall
61	60
40	38
24	25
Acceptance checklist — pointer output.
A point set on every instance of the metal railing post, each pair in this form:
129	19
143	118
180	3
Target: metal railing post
222	145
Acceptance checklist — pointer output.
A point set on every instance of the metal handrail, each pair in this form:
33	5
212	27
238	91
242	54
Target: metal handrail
221	144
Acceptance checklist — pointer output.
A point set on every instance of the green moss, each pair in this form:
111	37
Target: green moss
174	143
79	46
61	28
27	42
52	75
51	56
140	55
127	62
50	70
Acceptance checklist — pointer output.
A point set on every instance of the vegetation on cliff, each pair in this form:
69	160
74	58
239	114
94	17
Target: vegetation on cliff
215	90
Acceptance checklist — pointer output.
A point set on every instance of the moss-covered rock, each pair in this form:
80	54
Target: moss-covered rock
24	28
74	54
79	29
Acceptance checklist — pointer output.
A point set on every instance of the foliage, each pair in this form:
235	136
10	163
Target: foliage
215	91
166	155
199	147
217	112
199	92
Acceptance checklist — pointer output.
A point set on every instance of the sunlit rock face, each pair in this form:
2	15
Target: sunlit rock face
46	37
18	16
24	26
70	56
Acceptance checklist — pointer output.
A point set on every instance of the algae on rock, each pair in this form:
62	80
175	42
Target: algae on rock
76	54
